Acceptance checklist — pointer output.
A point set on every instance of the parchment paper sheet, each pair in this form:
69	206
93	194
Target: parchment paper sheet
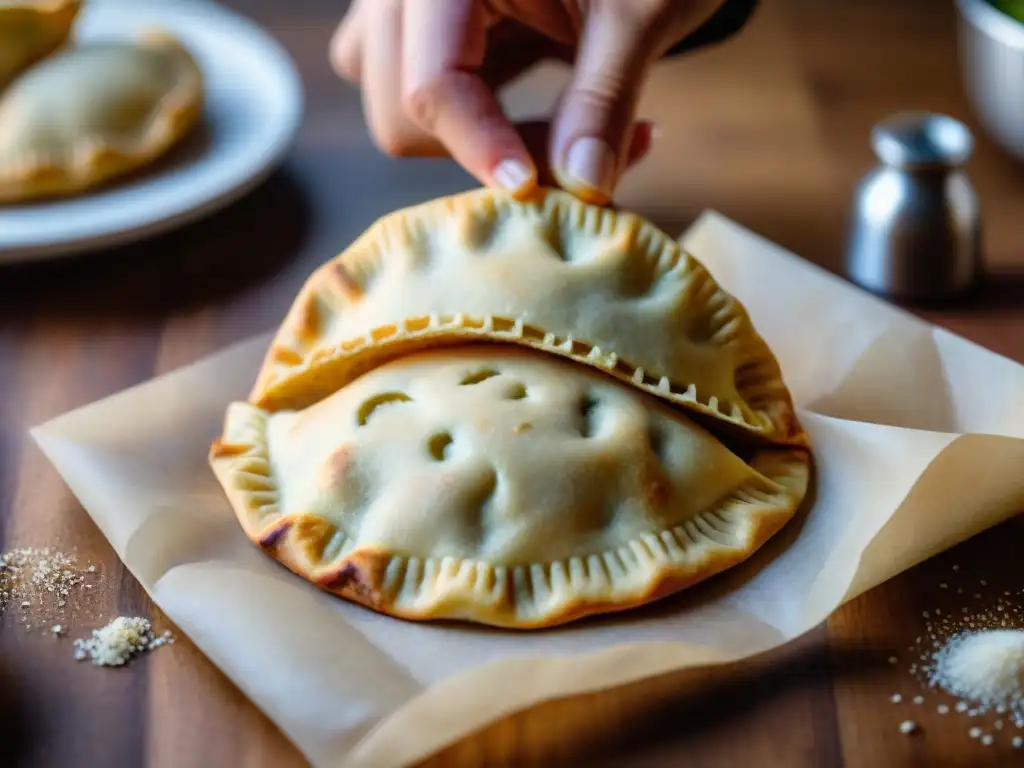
917	435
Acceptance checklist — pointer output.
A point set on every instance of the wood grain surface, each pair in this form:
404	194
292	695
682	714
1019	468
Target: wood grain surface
771	130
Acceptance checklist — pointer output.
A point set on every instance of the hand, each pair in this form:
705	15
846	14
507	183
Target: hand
430	69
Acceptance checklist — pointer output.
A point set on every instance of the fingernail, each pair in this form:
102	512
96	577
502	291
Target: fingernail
591	162
512	175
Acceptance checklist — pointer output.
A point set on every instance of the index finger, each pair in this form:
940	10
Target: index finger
443	48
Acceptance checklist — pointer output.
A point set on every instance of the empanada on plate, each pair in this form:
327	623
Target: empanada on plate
499	485
95	112
603	287
31	30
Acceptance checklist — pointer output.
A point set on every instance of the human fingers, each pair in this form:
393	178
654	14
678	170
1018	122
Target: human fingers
619	43
346	48
536	134
444	46
389	125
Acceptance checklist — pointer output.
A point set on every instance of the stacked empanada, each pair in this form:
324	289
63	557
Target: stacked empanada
516	413
75	117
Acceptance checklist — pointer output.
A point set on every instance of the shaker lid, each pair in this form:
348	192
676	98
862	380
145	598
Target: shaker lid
922	139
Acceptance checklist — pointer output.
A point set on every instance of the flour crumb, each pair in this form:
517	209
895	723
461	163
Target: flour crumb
117	642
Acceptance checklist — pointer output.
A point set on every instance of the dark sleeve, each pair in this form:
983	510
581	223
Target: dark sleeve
729	19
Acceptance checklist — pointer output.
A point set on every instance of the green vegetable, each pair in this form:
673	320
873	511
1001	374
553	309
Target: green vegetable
1012	8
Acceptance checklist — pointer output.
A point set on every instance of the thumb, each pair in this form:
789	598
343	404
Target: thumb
593	125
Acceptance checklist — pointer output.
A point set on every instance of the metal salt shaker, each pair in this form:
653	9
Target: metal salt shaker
915	231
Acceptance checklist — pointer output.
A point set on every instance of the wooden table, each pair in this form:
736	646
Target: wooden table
771	130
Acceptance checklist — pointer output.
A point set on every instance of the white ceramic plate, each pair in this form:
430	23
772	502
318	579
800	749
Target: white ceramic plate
253	109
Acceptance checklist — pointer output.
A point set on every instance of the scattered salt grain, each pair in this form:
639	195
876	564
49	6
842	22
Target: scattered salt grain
919	699
41	581
985	667
908	726
974	732
1017	742
987	739
895	698
893	660
942	709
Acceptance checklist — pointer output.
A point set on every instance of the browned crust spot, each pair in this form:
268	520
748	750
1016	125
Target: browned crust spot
270	538
220	449
282	354
359	576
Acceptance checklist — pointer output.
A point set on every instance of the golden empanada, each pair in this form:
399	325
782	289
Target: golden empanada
93	113
499	485
601	287
31	30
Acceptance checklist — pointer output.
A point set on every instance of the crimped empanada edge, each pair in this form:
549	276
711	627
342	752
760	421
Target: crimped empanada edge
532	596
331	368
